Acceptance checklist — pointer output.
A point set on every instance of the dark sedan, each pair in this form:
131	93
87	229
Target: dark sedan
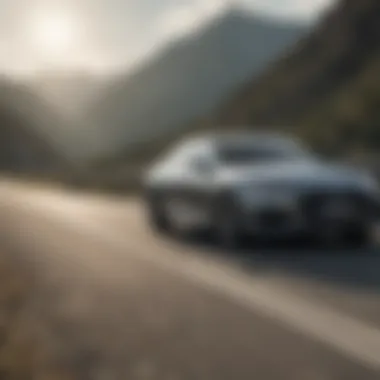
264	185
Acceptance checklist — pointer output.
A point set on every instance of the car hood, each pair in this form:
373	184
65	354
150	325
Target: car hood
299	173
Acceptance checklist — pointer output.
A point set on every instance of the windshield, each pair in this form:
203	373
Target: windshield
252	152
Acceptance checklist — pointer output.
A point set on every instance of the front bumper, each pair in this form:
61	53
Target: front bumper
311	214
273	222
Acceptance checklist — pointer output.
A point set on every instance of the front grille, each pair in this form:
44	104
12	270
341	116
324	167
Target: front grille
312	204
273	219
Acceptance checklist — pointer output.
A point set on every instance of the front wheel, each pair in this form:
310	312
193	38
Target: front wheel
156	214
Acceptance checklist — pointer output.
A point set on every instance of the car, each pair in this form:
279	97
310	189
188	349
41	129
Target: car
263	185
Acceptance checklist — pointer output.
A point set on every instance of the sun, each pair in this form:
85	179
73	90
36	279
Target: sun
53	33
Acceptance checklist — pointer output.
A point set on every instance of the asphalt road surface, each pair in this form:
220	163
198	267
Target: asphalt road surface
136	306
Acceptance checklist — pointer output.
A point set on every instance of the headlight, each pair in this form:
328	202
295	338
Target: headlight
251	196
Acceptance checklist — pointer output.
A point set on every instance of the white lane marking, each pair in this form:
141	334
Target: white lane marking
357	340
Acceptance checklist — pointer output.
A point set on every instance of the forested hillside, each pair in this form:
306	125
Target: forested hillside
328	88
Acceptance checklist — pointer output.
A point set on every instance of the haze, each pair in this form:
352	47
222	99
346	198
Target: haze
104	35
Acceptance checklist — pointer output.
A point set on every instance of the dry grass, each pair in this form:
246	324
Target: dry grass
19	352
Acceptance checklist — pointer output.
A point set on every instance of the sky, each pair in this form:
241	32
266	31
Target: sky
105	34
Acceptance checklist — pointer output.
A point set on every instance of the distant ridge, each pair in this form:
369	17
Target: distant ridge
188	78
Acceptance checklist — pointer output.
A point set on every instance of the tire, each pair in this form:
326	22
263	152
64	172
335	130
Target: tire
157	218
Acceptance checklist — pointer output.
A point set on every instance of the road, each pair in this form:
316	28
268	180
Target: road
131	305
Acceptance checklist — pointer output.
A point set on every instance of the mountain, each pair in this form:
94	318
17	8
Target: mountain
46	116
189	78
23	149
328	87
69	90
65	95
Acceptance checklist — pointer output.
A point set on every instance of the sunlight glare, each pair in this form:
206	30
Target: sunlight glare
54	32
